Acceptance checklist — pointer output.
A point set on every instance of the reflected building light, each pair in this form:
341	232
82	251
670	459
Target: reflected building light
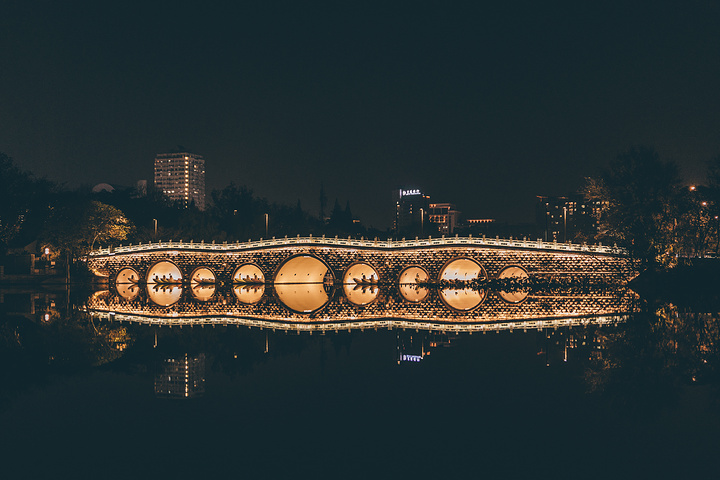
183	377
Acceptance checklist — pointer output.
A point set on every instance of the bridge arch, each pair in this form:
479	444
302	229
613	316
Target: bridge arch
360	283
164	271
300	282
302	268
408	283
360	271
202	284
126	283
518	273
248	273
462	269
127	275
202	275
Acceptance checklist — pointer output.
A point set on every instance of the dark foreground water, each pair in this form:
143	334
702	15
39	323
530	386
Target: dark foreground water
81	398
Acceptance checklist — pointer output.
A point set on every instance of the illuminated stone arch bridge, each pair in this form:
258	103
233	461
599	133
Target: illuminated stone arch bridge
301	270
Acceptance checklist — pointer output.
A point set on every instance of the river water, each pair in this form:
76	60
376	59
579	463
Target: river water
92	388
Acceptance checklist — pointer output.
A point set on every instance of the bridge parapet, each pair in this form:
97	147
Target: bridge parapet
364	243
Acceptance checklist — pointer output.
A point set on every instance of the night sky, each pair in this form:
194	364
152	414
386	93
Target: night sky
484	105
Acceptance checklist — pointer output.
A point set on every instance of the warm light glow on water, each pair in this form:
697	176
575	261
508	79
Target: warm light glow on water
302	297
462	299
249	294
164	295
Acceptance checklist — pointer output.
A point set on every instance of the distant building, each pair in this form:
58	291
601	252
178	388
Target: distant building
181	177
567	218
445	217
411	211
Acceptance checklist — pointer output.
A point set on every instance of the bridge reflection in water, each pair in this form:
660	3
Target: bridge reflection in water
360	307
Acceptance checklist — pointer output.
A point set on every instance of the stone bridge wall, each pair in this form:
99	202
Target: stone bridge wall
388	262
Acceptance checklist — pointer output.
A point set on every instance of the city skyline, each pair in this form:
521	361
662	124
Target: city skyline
485	107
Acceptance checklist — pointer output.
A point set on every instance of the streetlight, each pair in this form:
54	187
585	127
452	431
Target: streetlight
155	222
422	221
267	220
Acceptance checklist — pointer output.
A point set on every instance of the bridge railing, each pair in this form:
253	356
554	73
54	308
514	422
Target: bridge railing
361	243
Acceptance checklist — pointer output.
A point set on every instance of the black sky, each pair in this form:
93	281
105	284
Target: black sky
484	105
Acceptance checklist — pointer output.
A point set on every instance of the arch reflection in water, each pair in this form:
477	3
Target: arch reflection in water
302	297
164	295
515	273
360	283
408	284
249	294
202	284
361	294
248	273
202	291
463	299
164	272
128	291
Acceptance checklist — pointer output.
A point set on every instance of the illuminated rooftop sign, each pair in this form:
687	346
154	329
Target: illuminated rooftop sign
409	193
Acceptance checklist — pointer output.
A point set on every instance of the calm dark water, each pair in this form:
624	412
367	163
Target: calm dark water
83	398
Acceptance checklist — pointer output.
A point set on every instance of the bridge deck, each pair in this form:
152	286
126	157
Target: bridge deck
363	243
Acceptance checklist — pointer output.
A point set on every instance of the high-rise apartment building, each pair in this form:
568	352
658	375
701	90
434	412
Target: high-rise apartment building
411	211
181	177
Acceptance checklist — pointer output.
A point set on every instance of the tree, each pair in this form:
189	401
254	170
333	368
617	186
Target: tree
105	224
76	224
639	195
23	204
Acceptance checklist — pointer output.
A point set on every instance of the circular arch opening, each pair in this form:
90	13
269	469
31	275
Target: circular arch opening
362	273
303	269
517	275
408	284
202	276
360	283
164	271
127	275
248	273
202	284
462	269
